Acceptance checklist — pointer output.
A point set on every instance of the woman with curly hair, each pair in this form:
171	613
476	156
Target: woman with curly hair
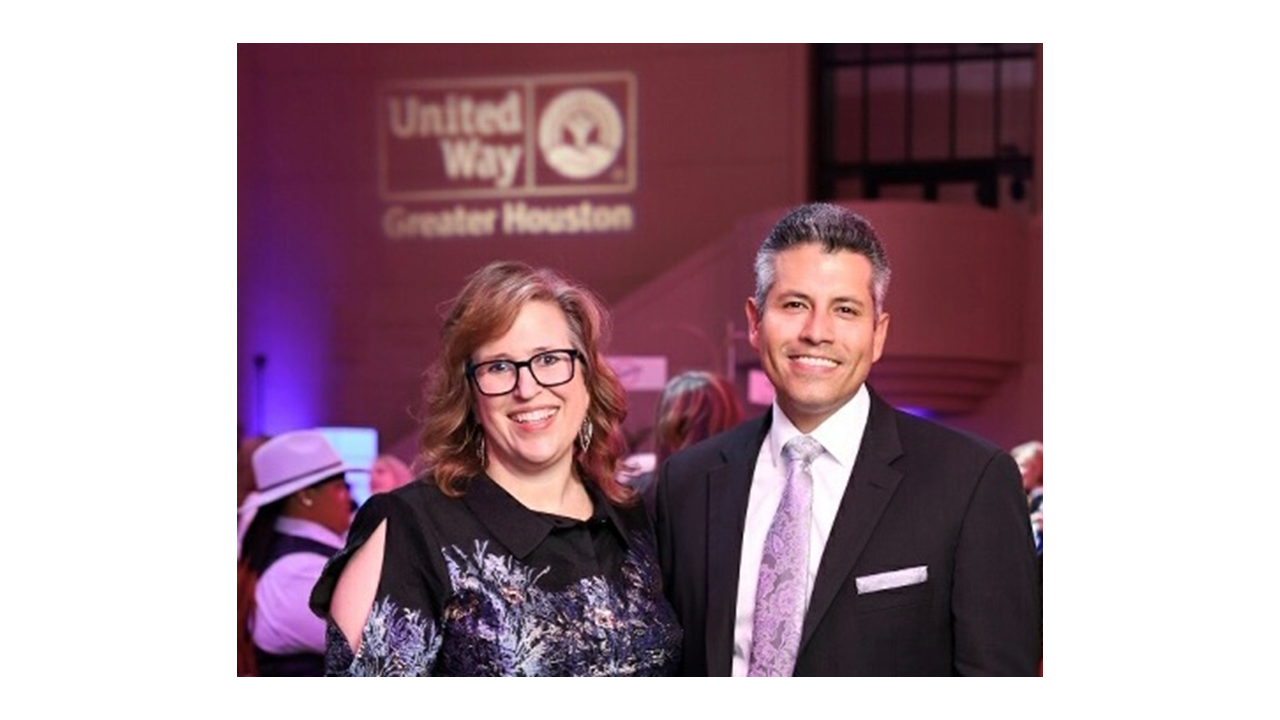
521	553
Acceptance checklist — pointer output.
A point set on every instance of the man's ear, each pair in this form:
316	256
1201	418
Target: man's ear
753	323
881	334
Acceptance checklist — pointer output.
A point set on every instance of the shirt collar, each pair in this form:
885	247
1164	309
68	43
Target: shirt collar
834	432
308	529
520	529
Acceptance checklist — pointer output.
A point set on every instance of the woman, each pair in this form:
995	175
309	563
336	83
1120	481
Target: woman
295	520
388	473
522	554
695	405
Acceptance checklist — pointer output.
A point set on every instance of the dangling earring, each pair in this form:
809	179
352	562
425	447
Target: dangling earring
584	435
480	450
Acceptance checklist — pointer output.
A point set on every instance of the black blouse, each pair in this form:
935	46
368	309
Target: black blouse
481	585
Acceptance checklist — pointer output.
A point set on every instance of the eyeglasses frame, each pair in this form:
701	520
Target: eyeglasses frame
575	356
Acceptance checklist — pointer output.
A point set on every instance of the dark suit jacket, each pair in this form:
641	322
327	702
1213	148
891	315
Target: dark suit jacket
920	495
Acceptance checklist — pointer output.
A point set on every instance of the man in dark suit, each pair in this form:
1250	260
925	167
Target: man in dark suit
920	559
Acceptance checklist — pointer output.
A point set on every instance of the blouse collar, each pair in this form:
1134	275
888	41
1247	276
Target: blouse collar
522	530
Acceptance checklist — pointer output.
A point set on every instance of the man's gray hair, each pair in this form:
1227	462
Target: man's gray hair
837	229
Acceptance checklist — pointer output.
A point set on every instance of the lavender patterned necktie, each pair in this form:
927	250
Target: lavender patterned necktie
784	567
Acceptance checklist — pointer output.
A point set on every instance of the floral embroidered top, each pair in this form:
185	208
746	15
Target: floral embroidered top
481	585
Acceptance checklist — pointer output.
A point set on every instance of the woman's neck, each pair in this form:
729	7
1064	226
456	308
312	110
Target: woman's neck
557	491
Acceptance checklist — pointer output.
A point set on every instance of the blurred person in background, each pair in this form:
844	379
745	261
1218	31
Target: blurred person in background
389	472
1030	458
245	482
695	405
297	517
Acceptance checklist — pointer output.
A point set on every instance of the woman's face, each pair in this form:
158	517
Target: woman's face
383	477
530	431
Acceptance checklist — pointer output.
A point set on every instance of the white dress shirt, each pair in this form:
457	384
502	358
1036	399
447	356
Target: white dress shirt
284	623
841	436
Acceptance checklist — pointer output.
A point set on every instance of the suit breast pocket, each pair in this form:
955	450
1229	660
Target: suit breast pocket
892	589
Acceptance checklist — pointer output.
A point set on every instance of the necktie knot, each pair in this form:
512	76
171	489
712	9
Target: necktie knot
801	451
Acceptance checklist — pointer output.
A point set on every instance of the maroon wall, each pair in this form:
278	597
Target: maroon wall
347	317
964	343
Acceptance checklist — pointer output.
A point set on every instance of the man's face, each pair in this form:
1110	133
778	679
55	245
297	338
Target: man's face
331	501
817	333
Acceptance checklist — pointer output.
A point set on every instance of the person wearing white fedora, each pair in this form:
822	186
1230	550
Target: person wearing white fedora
295	519
519	552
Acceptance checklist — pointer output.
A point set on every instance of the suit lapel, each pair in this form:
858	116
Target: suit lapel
728	488
871	486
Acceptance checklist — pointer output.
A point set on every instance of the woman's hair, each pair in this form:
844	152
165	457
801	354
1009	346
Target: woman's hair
257	539
484	310
253	560
695	405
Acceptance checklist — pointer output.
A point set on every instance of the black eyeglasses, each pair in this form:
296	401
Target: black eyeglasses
499	377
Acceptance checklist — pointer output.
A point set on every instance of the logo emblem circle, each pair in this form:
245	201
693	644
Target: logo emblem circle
580	133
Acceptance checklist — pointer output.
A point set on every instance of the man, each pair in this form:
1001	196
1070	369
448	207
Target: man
297	518
915	555
1030	458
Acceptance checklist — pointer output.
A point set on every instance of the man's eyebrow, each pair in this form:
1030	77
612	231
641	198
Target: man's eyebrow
793	294
850	301
840	300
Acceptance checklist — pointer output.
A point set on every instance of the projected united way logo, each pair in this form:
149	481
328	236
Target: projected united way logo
580	134
510	137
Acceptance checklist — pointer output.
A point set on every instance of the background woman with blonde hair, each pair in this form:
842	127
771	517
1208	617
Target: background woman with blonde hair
388	473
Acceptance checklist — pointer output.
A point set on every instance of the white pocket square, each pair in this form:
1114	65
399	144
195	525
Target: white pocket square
892	579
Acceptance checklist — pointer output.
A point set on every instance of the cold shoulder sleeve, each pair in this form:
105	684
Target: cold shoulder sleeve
481	585
401	636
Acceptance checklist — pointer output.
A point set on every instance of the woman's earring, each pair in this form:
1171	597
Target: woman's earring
306	500
480	450
584	435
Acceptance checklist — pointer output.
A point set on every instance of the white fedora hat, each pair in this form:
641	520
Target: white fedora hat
290	462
